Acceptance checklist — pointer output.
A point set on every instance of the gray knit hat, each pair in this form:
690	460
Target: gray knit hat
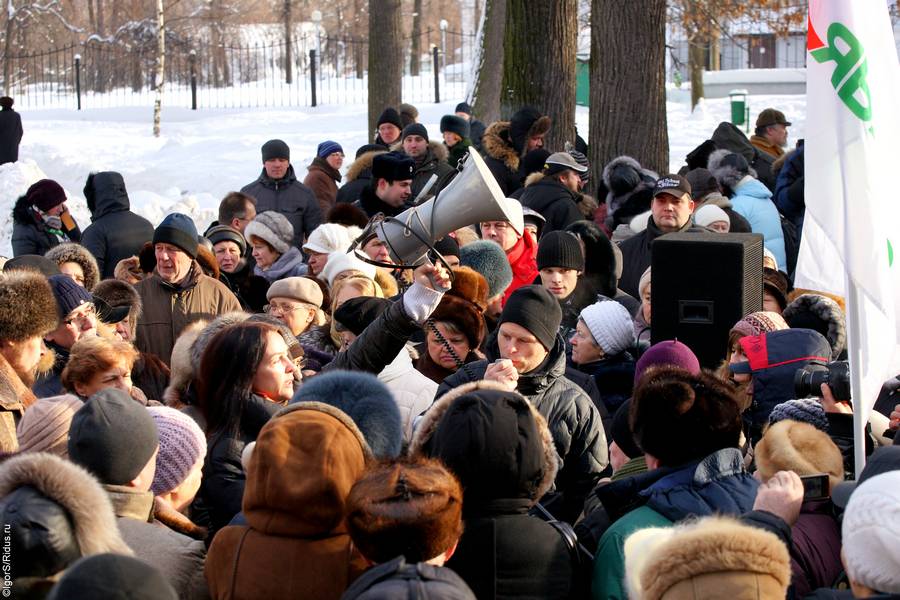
182	444
272	227
805	410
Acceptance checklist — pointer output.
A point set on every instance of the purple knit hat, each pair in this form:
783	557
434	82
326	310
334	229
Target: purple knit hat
669	353
181	445
759	323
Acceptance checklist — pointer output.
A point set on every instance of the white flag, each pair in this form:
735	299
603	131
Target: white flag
850	231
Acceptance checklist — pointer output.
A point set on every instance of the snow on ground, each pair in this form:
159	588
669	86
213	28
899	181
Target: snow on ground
204	154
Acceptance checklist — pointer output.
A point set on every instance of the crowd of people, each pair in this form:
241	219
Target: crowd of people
274	408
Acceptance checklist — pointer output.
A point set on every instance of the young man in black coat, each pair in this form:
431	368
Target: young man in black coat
555	195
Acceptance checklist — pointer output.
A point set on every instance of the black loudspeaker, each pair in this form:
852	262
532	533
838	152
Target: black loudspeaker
702	284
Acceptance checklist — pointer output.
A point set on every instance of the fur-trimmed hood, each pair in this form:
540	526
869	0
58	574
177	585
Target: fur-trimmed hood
716	557
89	508
76	253
727	176
807	308
183	366
429	424
21	212
496	143
361	164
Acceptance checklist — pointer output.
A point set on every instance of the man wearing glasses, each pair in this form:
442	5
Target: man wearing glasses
77	319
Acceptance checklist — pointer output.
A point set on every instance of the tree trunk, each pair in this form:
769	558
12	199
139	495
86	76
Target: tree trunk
160	64
385	58
415	52
485	95
92	17
628	92
539	63
7	48
101	25
288	58
696	66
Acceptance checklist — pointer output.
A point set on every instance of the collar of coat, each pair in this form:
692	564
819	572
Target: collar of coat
320	164
14	394
131	503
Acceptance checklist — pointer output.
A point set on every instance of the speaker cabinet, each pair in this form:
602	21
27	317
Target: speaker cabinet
702	285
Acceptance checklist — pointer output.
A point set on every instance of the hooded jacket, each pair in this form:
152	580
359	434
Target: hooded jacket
433	163
501	158
523	261
630	188
30	235
717	484
322	179
358	176
10	135
504	552
554	201
572	418
115	233
289	197
295	543
167	309
728	137
58	513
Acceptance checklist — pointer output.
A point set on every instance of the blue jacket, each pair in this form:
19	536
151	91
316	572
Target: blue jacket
789	196
753	201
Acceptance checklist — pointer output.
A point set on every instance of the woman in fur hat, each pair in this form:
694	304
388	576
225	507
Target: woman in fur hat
75	261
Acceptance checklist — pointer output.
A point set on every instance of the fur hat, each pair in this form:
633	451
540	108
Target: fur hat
45	425
729	168
119	293
273	228
799	447
408	113
470	285
365	400
493	439
182	445
678	416
411	507
822	314
527	122
715	558
870	532
27	306
76	253
455	124
489	259
344	213
183	366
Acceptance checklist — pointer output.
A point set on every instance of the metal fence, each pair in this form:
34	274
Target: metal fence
307	70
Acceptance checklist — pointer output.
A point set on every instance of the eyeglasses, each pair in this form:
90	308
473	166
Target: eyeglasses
89	314
281	309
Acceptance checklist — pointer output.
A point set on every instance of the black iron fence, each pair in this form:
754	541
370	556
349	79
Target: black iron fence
306	70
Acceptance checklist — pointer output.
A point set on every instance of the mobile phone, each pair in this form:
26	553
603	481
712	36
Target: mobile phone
815	487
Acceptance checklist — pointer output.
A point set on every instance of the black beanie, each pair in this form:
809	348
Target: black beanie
447	246
113	437
275	149
463	107
390	115
414	129
178	230
535	309
560	249
112	576
456	125
533	161
356	314
621	433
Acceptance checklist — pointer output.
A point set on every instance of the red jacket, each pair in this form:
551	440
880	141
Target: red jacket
523	260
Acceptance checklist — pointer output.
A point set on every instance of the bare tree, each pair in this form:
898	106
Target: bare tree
288	30
539	63
485	94
627	80
385	57
415	53
160	64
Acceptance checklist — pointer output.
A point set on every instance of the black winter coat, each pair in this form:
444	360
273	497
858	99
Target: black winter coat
573	420
352	190
434	163
31	236
248	288
399	580
476	132
371	204
636	254
614	377
501	158
789	196
289	197
10	136
554	201
728	137
115	233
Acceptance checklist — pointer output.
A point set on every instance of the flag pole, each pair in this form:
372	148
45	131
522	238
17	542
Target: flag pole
860	407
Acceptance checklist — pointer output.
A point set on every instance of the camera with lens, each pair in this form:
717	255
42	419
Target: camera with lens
808	380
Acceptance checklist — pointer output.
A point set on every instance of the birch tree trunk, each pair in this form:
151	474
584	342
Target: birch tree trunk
485	95
160	64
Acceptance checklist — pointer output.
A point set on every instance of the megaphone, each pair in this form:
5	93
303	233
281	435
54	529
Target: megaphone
473	196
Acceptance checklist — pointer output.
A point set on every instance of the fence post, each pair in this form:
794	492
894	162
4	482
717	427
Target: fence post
434	68
78	79
312	74
192	59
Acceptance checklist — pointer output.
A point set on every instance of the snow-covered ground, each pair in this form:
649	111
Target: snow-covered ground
204	154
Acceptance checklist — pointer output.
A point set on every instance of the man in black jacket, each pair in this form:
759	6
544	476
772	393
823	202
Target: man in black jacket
391	185
430	158
278	189
555	196
532	361
10	131
115	233
671	211
505	143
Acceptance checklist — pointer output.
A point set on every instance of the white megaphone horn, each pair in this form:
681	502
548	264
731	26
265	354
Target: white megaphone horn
473	196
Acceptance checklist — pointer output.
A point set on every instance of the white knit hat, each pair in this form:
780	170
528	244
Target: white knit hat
338	262
328	238
272	227
611	325
871	533
709	214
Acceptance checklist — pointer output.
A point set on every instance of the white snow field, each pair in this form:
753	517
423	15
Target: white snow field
204	154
